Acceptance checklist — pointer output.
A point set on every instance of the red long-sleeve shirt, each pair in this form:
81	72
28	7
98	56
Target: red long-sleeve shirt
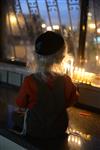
27	97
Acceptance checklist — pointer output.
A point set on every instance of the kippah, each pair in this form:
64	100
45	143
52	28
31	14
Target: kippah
49	43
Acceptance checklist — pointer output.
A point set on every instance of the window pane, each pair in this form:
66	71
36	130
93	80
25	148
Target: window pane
93	37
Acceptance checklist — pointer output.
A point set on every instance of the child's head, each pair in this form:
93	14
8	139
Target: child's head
49	43
49	50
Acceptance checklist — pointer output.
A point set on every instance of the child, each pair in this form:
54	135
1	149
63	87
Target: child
46	93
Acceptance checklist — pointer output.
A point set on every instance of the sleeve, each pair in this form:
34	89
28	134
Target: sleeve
71	93
22	99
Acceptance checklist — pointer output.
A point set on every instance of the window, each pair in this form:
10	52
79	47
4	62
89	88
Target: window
26	19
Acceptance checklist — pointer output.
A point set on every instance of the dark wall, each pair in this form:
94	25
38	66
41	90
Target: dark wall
3	11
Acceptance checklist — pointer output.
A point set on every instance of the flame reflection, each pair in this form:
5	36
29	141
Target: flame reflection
76	137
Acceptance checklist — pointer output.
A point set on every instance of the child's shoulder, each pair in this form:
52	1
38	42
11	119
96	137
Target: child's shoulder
64	76
28	77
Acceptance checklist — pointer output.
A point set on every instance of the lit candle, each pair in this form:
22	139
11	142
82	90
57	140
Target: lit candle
79	75
71	67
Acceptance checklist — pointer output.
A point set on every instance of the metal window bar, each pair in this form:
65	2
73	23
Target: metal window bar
69	4
32	6
55	5
48	12
59	17
69	13
37	7
29	9
18	7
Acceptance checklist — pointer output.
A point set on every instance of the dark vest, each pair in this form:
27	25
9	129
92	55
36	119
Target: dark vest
48	118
